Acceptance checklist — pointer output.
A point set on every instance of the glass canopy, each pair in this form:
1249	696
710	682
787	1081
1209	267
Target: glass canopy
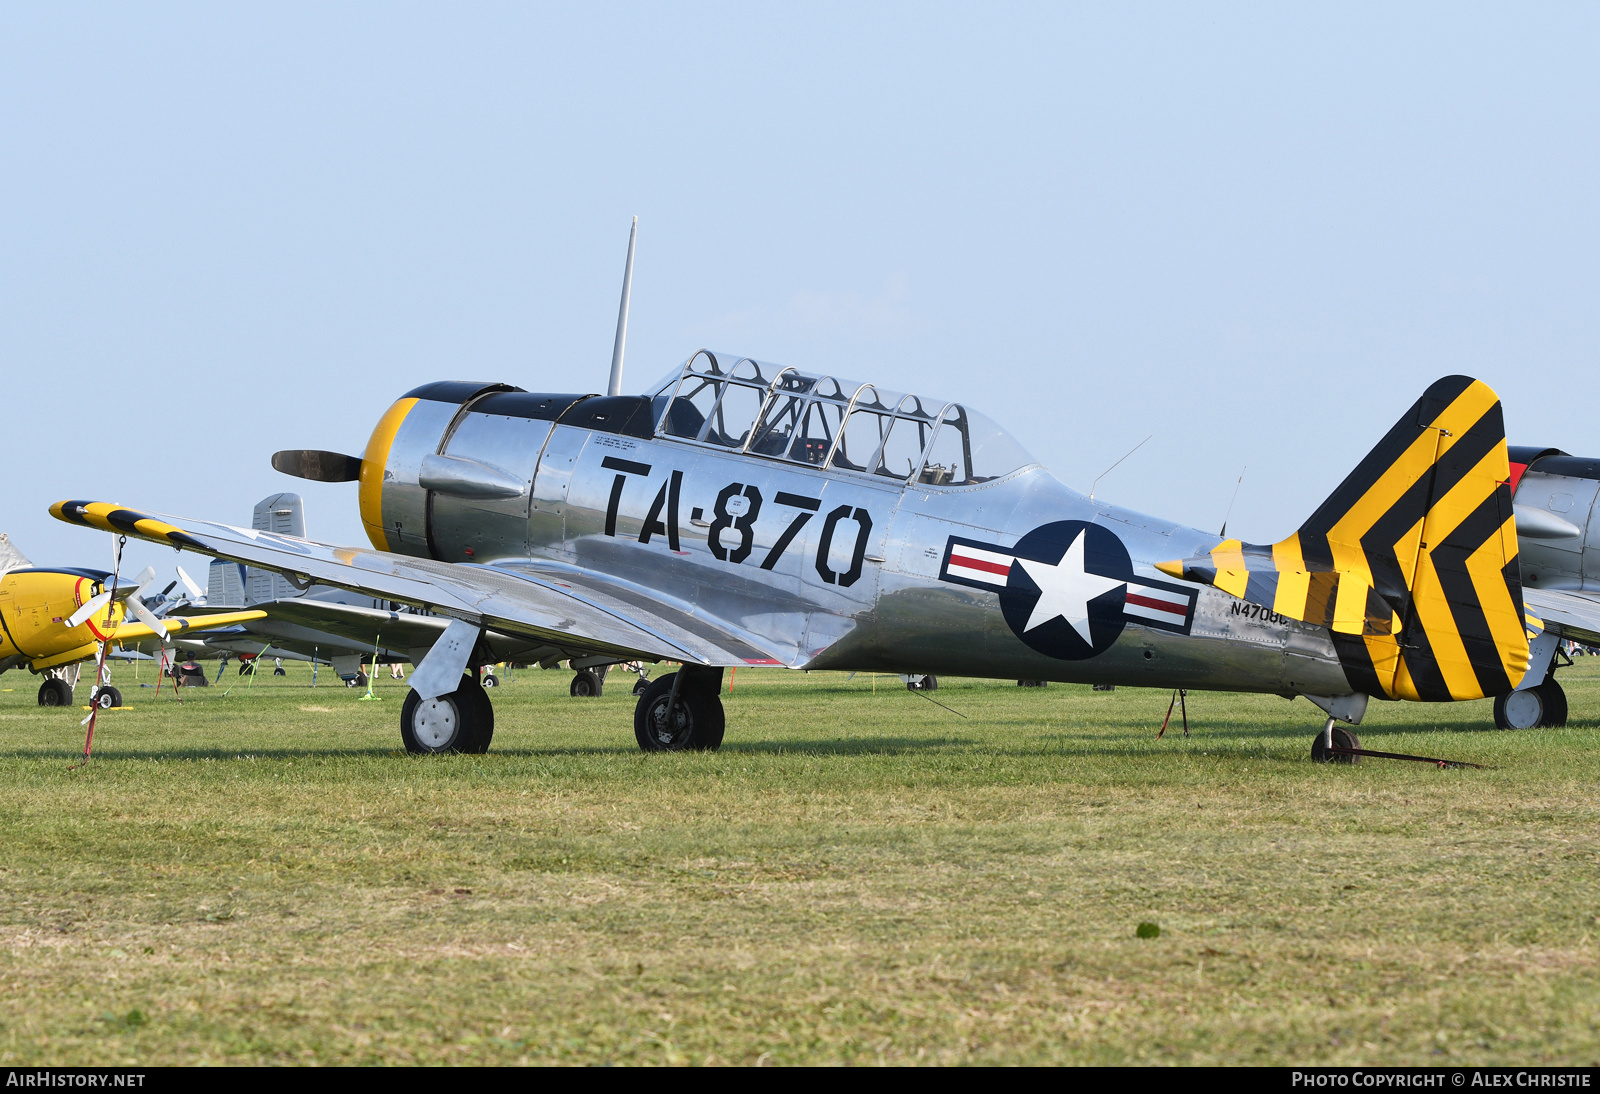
761	409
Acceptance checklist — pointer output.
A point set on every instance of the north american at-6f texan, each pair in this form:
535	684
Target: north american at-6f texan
739	513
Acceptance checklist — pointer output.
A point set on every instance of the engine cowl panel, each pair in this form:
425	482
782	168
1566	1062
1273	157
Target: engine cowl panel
458	462
1558	521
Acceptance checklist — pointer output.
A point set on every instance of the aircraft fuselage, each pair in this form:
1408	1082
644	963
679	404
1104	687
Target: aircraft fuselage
1016	577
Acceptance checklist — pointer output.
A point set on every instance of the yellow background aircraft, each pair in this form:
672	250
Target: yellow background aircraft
44	623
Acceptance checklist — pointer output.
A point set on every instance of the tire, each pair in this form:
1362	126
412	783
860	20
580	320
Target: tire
450	723
698	717
483	730
1555	704
107	697
1033	683
54	693
930	682
1521	709
640	686
587	684
490	680
1342	738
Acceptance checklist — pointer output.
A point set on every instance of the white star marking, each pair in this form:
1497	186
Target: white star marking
1065	589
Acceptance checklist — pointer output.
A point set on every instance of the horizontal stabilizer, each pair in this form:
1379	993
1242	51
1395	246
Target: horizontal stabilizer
1411	562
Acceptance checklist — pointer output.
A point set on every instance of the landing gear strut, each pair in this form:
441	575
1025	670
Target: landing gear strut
681	711
1334	736
462	721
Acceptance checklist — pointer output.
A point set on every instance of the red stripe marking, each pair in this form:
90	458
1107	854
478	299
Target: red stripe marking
762	661
1517	471
1179	610
978	564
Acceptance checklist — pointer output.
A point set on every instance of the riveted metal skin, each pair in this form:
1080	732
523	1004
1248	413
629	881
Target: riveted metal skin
739	513
856	581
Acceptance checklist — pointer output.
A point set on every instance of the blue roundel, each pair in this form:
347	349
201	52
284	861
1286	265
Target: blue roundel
1064	595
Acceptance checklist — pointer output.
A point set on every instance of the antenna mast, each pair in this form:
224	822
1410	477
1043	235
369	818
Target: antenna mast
614	387
1113	467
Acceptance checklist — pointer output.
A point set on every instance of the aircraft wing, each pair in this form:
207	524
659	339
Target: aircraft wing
568	608
180	625
1572	615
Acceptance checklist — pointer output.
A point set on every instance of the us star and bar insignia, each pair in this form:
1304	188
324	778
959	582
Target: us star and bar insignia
1067	589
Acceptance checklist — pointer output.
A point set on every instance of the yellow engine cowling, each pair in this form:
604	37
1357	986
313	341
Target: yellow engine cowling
35	605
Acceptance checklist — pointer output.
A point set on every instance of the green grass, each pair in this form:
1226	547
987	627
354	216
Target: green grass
857	876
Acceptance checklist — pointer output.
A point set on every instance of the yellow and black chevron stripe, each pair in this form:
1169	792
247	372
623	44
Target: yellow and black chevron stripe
114	518
1412	562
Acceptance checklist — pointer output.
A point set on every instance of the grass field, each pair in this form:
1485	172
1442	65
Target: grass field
856	877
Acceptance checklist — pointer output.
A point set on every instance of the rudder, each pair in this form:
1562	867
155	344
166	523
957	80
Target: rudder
1412	561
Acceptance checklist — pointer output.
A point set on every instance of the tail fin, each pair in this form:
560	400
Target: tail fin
10	557
1412	562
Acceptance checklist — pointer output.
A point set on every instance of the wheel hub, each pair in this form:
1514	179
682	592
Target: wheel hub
436	723
673	729
1523	709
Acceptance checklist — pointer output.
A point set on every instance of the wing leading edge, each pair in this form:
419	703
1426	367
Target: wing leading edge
573	610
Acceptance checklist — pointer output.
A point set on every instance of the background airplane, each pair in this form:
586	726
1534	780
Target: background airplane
54	618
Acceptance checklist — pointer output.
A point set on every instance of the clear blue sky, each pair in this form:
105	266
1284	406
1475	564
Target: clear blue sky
1256	231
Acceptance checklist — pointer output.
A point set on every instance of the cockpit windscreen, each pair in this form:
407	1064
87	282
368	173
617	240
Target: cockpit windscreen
762	409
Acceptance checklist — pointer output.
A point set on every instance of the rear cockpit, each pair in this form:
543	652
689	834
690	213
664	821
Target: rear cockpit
760	409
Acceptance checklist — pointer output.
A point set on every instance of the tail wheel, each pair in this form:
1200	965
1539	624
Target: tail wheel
587	684
1342	738
54	693
696	721
462	721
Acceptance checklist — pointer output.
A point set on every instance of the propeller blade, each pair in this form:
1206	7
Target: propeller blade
77	618
195	592
146	616
146	576
170	586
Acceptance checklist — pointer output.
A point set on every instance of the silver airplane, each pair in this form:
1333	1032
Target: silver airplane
739	513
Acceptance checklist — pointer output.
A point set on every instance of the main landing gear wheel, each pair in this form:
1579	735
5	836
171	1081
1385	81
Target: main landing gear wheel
1542	706
929	682
54	693
462	721
587	684
359	680
490	680
107	697
696	720
1342	738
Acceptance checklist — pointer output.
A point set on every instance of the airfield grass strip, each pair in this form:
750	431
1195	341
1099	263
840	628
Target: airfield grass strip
856	877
